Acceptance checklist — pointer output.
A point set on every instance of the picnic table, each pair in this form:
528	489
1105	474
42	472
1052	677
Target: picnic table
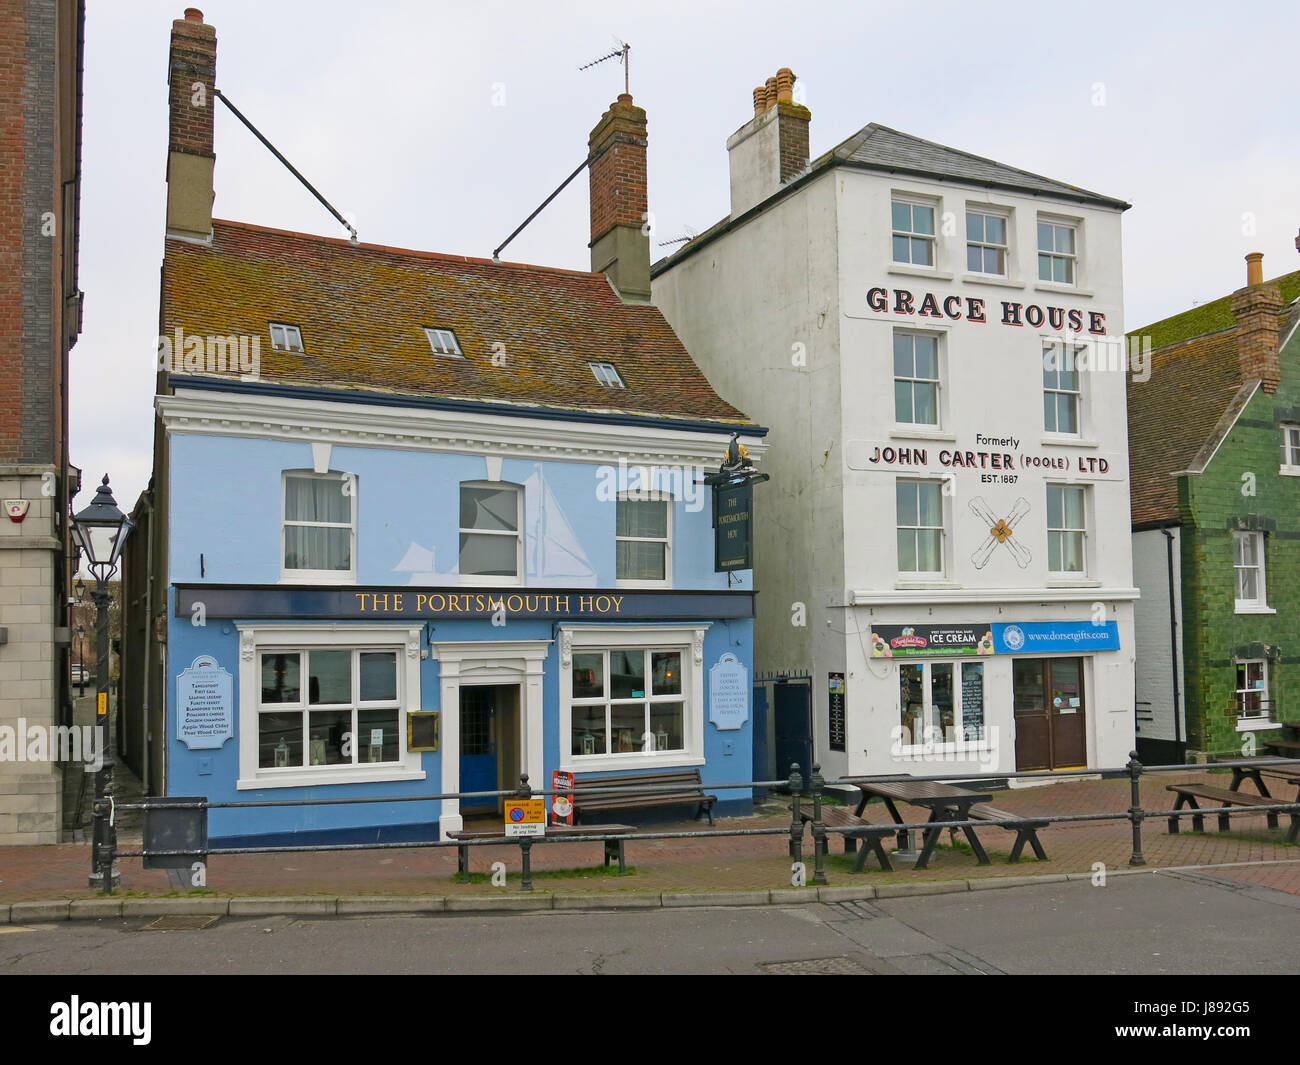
1253	770
946	802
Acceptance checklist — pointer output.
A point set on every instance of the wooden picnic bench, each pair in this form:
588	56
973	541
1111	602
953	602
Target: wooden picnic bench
1286	748
1189	793
1026	829
675	787
613	847
841	820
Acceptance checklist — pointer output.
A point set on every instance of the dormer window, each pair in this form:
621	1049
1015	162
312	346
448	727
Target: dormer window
443	342
606	374
285	337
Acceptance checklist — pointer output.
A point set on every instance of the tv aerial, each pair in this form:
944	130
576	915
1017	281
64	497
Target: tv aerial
623	53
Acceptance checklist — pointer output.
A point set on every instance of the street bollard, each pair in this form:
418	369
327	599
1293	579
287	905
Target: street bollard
817	781
1135	808
526	846
796	818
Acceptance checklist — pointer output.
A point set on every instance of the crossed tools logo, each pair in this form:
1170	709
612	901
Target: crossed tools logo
1001	531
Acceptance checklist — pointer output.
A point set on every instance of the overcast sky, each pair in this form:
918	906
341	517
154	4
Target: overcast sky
392	110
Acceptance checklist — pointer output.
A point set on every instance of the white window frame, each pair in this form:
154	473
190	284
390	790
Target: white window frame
443	342
923	575
920	746
291	337
939	391
1070	574
256	639
1248	721
666	540
1258	605
1290	450
606	373
933	237
1073	350
1070	258
689	640
490	579
348	484
1005	217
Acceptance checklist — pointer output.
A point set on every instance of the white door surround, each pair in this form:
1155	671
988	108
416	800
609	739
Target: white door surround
518	662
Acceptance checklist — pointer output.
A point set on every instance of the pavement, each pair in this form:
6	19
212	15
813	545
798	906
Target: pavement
663	873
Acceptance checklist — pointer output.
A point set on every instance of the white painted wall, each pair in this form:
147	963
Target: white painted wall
1155	684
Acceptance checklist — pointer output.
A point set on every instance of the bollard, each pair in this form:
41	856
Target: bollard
526	846
817	781
796	819
1135	808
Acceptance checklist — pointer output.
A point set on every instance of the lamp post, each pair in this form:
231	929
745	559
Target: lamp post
81	660
101	530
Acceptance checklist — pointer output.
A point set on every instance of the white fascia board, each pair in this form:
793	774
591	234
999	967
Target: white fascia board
418	429
988	596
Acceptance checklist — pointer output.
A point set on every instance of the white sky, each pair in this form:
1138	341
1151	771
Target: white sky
387	107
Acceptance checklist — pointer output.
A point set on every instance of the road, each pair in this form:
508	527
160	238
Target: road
1167	923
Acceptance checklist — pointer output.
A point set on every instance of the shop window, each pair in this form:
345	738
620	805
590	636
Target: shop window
1248	565
916	379
1067	528
913	232
941	702
1062	391
1057	253
1253	705
643	540
986	243
919	517
320	527
491	532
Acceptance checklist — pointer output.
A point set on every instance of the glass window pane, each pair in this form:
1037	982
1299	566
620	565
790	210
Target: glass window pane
902	217
1065	239
906	551
1049	412
925	404
1245	550
1067	413
905	501
901	247
317	548
930	504
1044	238
641	561
974	260
330	677
1054	552
627	674
929	551
588	676
923	220
627	727
1072	552
1044	268
922	252
994	262
377	739
995	230
666	672
972	700
903	361
974	226
279	740
1247	584
1074	508
642	517
378	676
1059	272
927	357
327	732
280	678
911	702
902	402
588	730
316	499
489	508
941	709
1055	507
489	556
666	725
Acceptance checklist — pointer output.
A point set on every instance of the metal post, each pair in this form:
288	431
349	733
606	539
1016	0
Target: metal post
1135	808
796	819
526	846
104	875
818	782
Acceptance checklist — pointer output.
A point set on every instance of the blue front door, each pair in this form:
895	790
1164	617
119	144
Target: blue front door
478	749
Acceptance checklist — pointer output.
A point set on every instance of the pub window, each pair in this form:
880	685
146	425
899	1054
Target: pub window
320	526
1066	528
919	516
643	540
986	243
913	232
334	707
627	701
1062	392
1248	564
941	702
1056	252
491	532
1291	448
916	379
1252	690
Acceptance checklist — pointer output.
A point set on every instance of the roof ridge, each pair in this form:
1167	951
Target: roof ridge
1200	307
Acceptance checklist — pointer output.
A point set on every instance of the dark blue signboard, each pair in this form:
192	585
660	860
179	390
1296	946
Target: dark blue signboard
733	527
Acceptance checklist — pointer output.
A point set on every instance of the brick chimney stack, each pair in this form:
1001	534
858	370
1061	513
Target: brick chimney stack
619	207
192	76
772	147
1256	308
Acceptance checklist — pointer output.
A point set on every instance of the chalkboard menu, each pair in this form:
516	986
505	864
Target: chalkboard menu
972	700
835	708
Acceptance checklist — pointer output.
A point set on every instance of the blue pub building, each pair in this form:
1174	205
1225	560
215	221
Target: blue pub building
421	523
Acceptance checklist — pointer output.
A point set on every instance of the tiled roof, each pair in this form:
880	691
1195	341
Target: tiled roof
1208	317
880	147
363	309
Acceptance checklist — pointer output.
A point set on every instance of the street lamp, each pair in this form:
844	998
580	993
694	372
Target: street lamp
101	530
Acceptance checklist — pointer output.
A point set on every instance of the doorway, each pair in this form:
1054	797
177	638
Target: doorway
490	744
1050	711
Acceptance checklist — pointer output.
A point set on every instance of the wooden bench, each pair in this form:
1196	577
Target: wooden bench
1189	793
613	847
1286	748
1026	830
853	828
680	787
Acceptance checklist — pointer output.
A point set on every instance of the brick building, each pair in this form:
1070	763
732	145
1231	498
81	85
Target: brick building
40	319
1215	456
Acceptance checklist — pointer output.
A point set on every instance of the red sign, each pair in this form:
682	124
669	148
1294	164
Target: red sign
562	800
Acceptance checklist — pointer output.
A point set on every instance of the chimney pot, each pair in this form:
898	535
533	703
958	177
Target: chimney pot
625	97
193	14
785	85
760	105
769	91
1255	268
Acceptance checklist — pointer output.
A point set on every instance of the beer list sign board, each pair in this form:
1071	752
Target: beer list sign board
835	710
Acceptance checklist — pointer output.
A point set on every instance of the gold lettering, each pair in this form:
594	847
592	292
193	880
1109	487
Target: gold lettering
453	603
602	604
397	601
515	604
565	607
421	602
530	603
440	606
584	603
379	602
618	603
361	600
478	603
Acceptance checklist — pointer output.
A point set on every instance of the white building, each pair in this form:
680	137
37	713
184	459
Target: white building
936	340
